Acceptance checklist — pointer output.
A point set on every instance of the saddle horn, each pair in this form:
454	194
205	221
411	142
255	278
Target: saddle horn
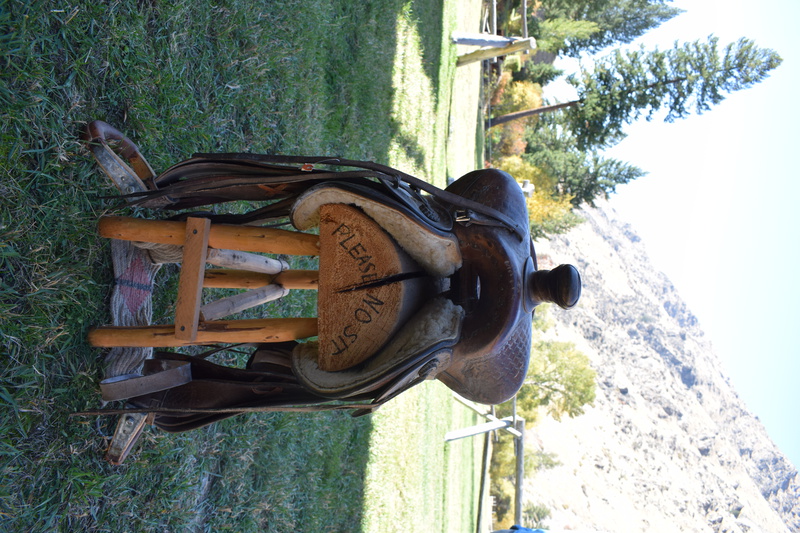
561	286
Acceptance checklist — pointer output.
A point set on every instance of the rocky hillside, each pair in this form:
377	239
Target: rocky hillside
668	445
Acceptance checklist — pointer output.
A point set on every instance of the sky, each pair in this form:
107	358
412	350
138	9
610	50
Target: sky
718	210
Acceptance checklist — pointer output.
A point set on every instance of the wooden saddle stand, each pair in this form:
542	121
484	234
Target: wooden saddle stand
414	283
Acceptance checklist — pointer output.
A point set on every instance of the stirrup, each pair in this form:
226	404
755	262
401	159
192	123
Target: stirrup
111	148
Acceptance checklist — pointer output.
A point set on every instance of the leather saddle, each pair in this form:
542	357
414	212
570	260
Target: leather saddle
474	334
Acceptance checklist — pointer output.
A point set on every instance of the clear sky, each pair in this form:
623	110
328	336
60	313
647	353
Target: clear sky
718	210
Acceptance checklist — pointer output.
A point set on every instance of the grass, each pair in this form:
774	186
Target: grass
439	488
363	80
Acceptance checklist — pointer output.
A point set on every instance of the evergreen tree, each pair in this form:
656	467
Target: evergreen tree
579	26
618	21
541	73
552	35
689	77
628	85
583	175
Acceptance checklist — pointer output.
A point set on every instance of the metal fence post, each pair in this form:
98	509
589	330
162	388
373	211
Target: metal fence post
520	449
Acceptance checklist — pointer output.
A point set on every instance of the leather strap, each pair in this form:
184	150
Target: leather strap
233	410
416	183
159	375
391	177
140	182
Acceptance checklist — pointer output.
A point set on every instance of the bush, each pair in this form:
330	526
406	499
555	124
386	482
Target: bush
548	212
560	380
510	96
500	89
550	215
509	139
522	170
502	490
518	96
502	472
534	515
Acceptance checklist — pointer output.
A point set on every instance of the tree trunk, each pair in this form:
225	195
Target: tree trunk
528	113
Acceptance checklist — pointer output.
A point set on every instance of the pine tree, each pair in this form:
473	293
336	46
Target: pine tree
554	34
628	85
689	77
582	175
618	21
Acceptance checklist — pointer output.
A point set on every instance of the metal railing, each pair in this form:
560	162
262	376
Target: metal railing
515	425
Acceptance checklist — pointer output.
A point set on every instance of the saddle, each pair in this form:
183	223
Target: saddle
468	245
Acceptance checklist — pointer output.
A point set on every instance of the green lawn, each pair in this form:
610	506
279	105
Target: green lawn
438	488
362	80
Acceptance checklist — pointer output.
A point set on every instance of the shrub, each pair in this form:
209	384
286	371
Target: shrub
502	472
522	170
560	380
550	215
510	139
548	212
518	96
534	515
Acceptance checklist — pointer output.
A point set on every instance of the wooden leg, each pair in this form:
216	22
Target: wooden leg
298	279
226	236
199	239
239	302
229	278
225	278
190	285
245	261
219	331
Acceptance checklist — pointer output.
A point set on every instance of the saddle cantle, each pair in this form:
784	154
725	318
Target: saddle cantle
471	239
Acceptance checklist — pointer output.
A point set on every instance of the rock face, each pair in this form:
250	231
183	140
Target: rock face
668	445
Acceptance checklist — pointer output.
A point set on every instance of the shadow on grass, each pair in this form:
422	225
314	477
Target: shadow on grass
308	76
430	25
